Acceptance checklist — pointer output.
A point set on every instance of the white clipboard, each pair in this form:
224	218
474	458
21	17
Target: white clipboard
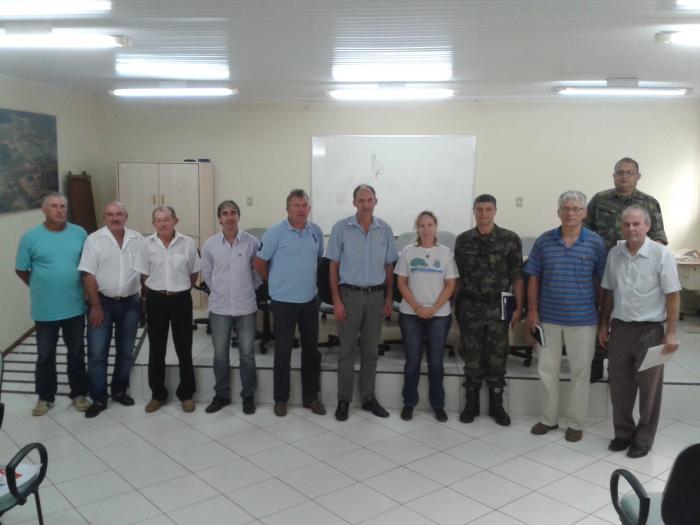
654	358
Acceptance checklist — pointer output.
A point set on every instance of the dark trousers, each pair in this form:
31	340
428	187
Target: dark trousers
414	332
286	317
164	312
626	350
73	330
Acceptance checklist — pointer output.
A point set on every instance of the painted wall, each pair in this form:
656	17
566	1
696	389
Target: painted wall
533	149
78	150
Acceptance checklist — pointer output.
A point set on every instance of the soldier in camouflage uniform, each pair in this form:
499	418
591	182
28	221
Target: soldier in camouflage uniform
603	217
489	260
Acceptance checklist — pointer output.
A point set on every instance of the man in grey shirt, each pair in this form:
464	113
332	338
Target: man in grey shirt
227	268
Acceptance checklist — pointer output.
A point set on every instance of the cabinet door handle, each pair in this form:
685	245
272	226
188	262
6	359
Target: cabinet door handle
154	199
162	199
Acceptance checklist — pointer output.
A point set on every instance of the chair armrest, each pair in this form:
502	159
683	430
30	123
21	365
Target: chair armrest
21	493
638	489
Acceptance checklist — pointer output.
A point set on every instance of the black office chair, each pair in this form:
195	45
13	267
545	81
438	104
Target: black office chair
325	305
20	488
679	504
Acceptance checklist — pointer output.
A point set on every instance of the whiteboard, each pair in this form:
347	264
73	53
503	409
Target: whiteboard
410	173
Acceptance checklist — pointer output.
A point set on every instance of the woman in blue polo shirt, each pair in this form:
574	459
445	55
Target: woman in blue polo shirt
426	279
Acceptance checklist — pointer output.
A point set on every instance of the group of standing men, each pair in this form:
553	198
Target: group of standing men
573	295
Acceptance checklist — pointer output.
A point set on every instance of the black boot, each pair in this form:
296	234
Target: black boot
496	410
471	409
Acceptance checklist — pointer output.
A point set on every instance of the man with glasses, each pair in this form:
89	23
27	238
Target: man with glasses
603	217
565	267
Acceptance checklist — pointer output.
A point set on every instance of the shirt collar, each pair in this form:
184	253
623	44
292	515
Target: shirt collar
643	251
581	237
128	234
222	237
290	227
177	236
635	193
352	221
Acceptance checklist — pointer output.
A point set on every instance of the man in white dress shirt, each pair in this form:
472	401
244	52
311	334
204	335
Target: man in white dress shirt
642	291
227	268
169	264
112	287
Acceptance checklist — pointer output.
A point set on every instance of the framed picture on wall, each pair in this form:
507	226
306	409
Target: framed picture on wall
28	159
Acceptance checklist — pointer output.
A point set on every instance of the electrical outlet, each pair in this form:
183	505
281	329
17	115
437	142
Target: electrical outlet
518	202
249	201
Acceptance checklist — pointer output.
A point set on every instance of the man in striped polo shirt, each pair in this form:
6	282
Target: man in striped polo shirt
565	268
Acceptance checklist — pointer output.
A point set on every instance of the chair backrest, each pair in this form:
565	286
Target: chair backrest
681	501
447	239
528	243
322	281
404	240
256	232
18	494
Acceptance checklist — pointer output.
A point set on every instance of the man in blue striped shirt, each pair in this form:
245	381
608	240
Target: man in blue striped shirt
565	268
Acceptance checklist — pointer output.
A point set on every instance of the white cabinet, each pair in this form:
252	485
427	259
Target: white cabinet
188	187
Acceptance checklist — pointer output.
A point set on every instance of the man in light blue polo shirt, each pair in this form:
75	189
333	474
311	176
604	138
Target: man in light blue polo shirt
565	268
288	259
362	254
47	262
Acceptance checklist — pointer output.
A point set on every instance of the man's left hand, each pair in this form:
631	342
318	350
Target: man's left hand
670	344
517	317
388	309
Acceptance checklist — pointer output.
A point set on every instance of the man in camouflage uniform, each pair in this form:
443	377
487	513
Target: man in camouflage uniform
490	261
603	217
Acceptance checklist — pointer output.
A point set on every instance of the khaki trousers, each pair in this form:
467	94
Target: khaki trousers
580	347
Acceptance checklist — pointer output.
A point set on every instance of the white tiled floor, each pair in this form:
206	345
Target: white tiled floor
126	466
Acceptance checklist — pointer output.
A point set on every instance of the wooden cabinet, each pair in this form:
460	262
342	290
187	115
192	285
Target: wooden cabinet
188	187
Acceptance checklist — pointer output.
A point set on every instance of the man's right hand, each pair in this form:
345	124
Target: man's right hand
96	316
603	335
533	319
339	310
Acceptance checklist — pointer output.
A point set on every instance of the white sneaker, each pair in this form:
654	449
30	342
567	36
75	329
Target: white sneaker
41	408
81	403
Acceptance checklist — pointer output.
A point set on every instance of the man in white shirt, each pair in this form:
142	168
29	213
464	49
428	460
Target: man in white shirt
227	268
112	287
169	264
642	291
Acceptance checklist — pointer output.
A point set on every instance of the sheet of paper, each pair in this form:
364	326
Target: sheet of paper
654	357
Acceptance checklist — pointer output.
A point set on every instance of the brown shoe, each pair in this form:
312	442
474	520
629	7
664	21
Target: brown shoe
573	435
280	409
316	407
188	405
153	405
540	428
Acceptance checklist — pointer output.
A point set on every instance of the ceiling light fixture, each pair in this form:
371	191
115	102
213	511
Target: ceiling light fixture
174	92
26	36
681	38
378	92
688	4
622	91
32	8
171	69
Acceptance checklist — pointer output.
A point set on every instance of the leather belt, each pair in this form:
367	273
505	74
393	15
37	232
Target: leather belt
117	299
639	323
364	289
166	292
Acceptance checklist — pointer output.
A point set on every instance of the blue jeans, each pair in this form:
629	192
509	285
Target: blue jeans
124	316
244	325
72	330
414	332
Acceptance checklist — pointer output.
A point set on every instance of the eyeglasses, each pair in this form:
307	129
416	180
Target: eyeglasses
565	209
627	173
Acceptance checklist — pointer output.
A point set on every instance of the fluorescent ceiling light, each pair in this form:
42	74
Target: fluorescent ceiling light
174	92
60	40
399	64
393	93
681	38
688	4
176	69
30	8
622	92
